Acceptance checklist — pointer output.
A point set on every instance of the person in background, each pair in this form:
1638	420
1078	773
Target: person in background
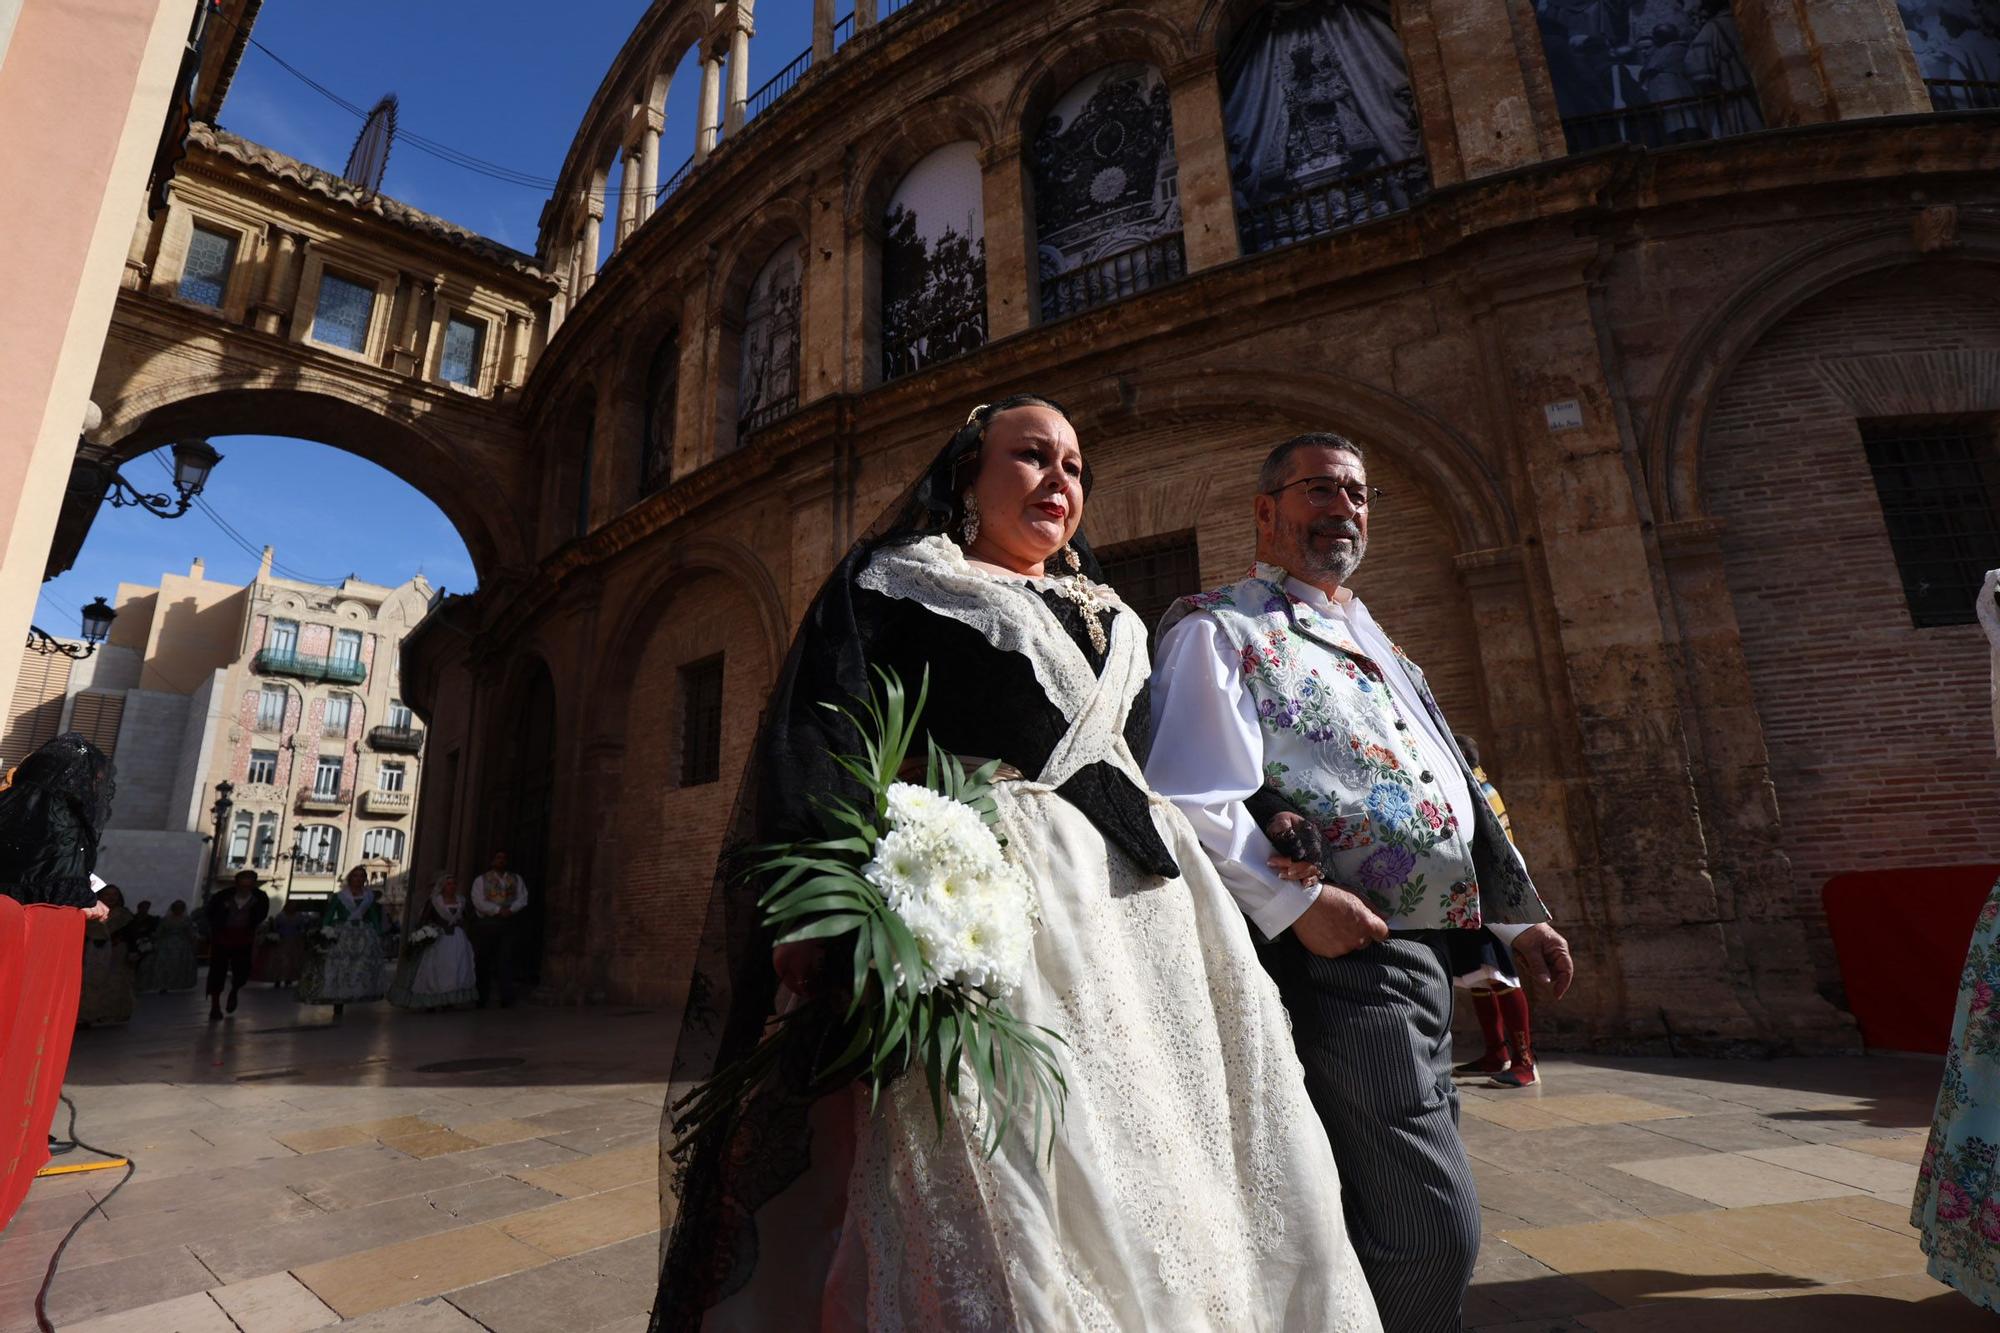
281	952
171	964
234	918
1956	1210
347	965
52	810
499	896
440	974
107	970
1483	968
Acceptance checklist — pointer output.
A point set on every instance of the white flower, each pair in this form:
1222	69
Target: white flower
943	872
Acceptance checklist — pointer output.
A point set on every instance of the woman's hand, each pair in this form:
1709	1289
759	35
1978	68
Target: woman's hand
96	912
801	966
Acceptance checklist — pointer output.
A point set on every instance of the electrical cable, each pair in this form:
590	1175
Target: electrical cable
243	543
97	1206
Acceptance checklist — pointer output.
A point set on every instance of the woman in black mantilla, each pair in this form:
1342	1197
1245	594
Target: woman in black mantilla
1190	1185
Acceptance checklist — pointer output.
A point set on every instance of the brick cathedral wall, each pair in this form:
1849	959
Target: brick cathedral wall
1879	736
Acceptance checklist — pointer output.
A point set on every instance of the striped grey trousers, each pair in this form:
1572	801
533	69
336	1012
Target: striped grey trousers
1373	1030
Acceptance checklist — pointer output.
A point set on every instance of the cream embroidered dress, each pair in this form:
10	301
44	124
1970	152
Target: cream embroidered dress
1190	1186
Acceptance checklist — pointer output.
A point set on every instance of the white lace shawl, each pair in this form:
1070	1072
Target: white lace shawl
1010	613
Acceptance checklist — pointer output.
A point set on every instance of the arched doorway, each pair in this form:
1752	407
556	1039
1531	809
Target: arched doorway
524	804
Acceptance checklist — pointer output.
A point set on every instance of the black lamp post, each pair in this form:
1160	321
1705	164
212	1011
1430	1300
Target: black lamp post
97	618
193	461
223	805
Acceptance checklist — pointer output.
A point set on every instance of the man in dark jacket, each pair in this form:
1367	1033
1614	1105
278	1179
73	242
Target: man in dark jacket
234	917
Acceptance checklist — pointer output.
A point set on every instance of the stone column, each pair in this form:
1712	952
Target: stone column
593	230
1644	914
694	406
1467	62
133	278
711	106
823	17
281	249
1818	62
304	299
864	16
403	338
628	195
739	79
824	335
520	329
1201	152
1010	241
649	160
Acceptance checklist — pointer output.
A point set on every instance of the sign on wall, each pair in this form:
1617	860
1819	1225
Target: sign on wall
934	263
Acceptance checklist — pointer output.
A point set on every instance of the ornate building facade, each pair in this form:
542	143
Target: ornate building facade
1668	326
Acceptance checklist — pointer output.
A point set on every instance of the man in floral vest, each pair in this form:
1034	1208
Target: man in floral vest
1280	692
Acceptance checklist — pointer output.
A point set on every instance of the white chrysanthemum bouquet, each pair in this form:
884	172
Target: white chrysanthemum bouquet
420	939
915	882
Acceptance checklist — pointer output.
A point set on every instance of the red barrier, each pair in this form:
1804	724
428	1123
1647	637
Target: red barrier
41	974
1902	936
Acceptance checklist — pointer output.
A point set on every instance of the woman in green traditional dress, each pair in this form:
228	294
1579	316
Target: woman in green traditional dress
345	963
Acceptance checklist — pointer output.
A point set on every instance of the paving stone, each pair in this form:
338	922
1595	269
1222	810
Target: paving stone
400	1180
1521	1115
183	1314
431	1143
587	1223
493	1197
1555	1198
1608	1108
432	1316
489	1132
1906	1148
1740	1131
331	1136
104	1239
571	1294
147	1193
1644	1259
1805	1240
253	1254
1863	1171
83	1291
410	1270
590	1175
1733	1180
510	1158
278	1303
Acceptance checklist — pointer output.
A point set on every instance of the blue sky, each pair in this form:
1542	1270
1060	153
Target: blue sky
506	81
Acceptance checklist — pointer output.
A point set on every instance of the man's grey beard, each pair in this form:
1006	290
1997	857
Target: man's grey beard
1339	561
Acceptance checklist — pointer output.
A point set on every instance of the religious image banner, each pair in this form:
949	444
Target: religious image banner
1107	192
1652	72
768	385
1957	45
934	262
1321	121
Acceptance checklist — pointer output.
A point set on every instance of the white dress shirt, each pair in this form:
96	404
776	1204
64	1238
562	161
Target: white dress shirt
509	890
1208	751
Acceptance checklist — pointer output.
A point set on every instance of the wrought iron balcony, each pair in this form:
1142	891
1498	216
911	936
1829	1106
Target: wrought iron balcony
306	666
408	740
1964	94
1333	205
1113	277
375	801
1714	115
320	802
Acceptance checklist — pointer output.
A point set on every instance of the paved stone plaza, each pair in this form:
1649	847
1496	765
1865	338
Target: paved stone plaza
294	1173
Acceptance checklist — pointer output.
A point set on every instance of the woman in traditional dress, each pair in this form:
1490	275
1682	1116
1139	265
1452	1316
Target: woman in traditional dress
281	953
107	964
440	974
1189	1185
346	964
53	807
1957	1207
171	964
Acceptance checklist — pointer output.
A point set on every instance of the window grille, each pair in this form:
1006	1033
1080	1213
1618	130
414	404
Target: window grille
341	317
1150	573
464	341
701	722
1939	483
205	275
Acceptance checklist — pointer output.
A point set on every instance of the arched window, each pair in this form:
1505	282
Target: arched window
1321	122
383	843
768	386
316	849
1957	45
656	461
1669	77
934	262
1107	197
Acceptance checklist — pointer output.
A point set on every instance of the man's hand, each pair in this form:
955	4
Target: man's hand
1338	923
1544	955
97	912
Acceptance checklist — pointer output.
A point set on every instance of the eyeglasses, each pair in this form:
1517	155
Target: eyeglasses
1320	492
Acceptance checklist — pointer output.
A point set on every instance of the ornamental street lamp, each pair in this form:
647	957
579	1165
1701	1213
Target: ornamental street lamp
221	808
193	461
97	618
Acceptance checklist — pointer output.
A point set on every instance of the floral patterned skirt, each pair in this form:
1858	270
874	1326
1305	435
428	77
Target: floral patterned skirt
350	968
1957	1207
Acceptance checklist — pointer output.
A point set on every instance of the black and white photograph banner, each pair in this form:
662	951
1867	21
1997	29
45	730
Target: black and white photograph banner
934	262
1321	122
1107	196
768	387
1957	43
1653	72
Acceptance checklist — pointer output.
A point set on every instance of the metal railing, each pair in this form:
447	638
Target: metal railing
1963	94
408	739
307	666
1661	124
313	799
778	85
1114	277
843	30
775	410
1334	205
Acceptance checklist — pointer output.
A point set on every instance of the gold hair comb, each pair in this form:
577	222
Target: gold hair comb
973	415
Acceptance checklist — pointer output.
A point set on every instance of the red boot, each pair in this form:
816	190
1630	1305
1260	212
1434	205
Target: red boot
1513	1005
1494	1060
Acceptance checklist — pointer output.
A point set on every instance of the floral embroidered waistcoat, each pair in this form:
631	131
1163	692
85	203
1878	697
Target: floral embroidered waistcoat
1338	745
